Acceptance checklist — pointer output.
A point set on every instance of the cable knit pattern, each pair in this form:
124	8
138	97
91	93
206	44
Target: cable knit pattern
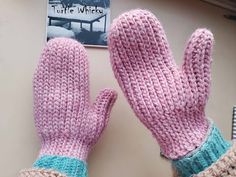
169	100
224	167
40	173
208	153
68	125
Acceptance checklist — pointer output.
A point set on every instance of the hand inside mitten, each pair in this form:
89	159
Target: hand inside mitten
68	124
169	100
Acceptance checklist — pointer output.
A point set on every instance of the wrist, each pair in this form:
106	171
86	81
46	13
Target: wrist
71	148
185	138
202	157
67	166
66	156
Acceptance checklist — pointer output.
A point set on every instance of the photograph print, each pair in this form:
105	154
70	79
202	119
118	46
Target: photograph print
87	21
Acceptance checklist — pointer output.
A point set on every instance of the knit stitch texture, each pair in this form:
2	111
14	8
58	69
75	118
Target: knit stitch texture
208	153
40	173
224	167
67	123
70	166
169	100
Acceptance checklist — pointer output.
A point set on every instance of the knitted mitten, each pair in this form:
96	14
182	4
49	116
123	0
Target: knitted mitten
169	100
68	125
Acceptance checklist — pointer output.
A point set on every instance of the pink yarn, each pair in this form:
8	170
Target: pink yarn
169	100
67	124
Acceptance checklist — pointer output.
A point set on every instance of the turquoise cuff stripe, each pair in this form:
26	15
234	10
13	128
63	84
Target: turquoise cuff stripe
210	151
71	167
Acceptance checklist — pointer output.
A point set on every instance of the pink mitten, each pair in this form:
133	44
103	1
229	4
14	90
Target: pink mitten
169	100
68	124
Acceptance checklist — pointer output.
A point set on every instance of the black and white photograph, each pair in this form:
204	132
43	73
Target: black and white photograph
87	21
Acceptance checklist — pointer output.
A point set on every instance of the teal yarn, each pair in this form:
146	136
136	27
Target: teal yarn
210	151
71	167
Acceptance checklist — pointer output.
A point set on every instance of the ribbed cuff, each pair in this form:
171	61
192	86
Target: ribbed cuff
210	151
225	166
71	167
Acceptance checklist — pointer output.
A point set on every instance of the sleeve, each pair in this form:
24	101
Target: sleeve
204	158
224	167
34	172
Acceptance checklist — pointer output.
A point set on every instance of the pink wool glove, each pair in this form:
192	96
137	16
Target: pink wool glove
169	100
68	125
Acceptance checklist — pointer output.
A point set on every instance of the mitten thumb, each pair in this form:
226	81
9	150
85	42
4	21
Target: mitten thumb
103	104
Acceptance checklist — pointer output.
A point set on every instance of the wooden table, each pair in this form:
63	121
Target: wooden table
90	20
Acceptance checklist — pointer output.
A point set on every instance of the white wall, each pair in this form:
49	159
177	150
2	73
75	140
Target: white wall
126	148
